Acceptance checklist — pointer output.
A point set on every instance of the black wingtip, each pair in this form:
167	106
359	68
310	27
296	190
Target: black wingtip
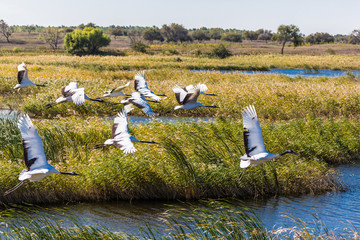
99	146
50	105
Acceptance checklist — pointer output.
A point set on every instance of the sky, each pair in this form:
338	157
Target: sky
332	16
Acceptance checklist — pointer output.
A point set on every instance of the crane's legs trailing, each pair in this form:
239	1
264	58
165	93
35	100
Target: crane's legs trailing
242	174
14	188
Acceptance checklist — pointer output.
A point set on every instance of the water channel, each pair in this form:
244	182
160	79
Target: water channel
336	210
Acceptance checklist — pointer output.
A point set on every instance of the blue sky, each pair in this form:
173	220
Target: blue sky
332	16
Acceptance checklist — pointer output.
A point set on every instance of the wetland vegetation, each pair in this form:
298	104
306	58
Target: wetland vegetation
316	117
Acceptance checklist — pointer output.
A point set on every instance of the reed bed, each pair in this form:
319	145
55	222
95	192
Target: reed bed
239	62
275	97
191	161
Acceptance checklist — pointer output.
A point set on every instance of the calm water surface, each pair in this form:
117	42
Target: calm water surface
334	209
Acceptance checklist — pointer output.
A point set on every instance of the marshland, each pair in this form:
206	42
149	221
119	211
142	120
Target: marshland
160	186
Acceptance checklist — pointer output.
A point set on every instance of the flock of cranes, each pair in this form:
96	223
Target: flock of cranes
34	155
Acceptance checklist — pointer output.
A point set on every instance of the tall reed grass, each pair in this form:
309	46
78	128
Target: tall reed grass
239	62
275	97
192	161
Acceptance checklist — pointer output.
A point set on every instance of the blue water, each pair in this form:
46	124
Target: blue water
334	209
293	72
8	114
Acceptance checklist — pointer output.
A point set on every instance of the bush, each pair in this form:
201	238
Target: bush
86	41
220	52
153	34
139	47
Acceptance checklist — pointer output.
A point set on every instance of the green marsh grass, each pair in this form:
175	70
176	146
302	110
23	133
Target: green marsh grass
275	97
191	161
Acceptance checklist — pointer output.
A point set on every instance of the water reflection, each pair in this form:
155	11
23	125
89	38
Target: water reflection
8	113
334	208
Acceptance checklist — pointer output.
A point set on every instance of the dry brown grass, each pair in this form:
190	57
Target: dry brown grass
27	42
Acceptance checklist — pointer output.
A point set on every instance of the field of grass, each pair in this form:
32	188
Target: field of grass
316	117
275	97
191	161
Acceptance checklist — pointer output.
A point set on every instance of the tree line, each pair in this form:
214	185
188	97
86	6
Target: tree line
177	33
77	39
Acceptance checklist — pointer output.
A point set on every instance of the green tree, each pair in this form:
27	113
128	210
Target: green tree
86	41
316	38
116	32
135	35
200	35
153	34
52	36
286	33
68	29
6	30
354	37
264	35
175	32
215	33
29	28
250	35
232	37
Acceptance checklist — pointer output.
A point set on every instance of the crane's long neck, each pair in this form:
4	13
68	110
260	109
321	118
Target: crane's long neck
152	101
95	100
148	142
69	173
286	152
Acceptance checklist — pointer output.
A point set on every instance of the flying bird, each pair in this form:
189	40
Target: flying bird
116	91
203	88
23	79
138	101
255	152
71	93
34	156
120	135
187	97
142	88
